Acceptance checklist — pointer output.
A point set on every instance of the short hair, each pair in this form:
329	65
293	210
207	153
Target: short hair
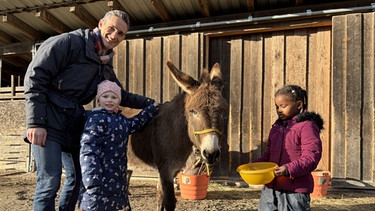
118	13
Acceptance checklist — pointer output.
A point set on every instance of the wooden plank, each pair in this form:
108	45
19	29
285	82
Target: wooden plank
154	65
19	24
52	21
172	51
353	95
296	57
268	92
218	51
319	84
80	12
338	96
191	62
119	63
136	66
162	10
235	103
252	98
225	62
16	48
368	125
246	141
205	7
274	78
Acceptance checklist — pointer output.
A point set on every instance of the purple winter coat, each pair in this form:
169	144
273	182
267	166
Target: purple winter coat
296	144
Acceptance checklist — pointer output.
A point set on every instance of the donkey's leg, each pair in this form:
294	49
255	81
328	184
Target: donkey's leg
166	191
159	196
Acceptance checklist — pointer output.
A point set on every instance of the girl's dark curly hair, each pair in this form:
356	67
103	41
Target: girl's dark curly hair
295	93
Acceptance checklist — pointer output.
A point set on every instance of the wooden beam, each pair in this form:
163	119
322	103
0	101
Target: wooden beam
5	38
1	71
159	6
52	21
80	12
115	5
27	56
16	62
299	2
29	31
205	7
250	5
16	48
272	27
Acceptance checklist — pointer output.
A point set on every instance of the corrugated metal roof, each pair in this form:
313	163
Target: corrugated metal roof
142	11
27	27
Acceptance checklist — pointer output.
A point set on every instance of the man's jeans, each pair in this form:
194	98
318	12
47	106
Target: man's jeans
49	160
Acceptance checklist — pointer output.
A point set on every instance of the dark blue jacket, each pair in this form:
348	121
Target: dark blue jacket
62	77
103	157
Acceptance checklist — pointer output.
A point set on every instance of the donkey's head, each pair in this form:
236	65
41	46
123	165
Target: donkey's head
205	109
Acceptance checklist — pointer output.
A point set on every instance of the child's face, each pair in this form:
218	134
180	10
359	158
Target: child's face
285	108
109	101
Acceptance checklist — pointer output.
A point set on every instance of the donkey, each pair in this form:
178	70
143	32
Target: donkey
197	117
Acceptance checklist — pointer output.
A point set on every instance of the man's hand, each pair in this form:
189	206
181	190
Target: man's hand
37	136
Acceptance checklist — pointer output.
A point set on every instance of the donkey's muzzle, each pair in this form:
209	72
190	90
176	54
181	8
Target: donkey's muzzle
212	157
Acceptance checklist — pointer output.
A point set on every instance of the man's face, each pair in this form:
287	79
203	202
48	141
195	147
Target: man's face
113	31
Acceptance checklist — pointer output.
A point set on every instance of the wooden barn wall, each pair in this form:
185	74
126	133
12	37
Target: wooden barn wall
141	66
352	119
256	66
141	63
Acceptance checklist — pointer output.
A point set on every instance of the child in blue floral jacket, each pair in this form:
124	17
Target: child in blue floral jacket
103	155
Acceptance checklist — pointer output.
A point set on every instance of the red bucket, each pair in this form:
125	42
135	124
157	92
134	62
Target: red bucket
321	182
193	187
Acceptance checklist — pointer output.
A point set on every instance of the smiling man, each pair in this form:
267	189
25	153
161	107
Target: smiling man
62	77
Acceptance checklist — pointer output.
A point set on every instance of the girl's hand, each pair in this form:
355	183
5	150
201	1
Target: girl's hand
281	171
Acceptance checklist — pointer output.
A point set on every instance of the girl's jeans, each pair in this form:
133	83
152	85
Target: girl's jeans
49	162
271	200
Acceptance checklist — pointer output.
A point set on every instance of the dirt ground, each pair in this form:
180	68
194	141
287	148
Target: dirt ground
17	189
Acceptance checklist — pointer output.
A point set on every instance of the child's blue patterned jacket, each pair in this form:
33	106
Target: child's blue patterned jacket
103	157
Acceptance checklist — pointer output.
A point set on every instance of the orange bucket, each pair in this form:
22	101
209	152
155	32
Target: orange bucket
321	182
193	186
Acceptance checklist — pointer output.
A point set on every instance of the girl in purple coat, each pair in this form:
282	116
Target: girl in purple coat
103	155
294	144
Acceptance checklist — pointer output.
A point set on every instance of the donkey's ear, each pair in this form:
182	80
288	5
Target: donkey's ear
216	77
185	81
205	76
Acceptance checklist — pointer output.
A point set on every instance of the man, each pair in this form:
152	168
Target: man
62	77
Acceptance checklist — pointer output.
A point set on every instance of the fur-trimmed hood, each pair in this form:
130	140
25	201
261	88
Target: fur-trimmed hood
305	116
311	116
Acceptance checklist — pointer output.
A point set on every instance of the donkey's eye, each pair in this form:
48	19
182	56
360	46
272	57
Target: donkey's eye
194	112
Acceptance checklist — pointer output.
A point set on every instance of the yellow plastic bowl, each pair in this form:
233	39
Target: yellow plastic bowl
257	173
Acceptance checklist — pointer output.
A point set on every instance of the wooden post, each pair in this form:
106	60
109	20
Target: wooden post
1	64
12	86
